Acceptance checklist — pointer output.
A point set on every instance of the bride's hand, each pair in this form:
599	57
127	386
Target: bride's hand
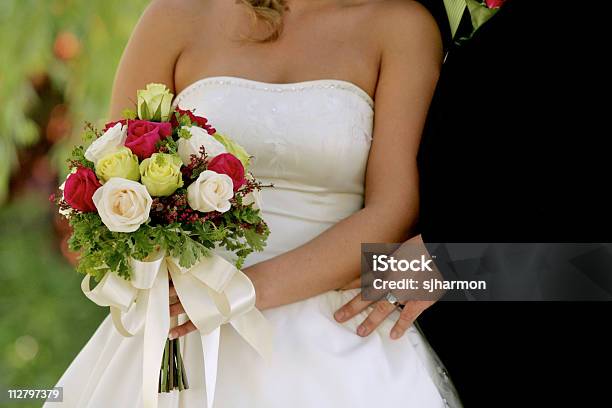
381	309
176	308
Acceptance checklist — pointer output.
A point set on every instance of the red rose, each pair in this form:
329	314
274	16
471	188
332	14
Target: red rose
227	163
197	120
80	188
112	124
142	136
493	4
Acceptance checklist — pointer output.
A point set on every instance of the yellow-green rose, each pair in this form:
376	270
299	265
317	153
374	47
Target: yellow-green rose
233	148
122	163
154	103
161	174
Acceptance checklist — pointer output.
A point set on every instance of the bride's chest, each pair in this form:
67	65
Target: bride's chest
316	133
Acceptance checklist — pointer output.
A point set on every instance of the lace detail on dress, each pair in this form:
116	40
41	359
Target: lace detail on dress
310	136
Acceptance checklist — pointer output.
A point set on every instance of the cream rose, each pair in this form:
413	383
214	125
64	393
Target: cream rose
161	174
122	163
154	103
123	204
211	192
199	137
111	141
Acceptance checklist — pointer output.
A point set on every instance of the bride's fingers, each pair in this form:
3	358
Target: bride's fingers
182	330
351	309
173	296
176	309
380	311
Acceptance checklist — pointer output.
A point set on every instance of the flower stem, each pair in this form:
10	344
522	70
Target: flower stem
179	371
164	369
171	384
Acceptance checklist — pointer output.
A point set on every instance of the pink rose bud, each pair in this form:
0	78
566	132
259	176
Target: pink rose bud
142	136
493	4
227	163
80	188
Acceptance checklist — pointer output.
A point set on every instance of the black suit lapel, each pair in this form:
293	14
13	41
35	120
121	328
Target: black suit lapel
463	36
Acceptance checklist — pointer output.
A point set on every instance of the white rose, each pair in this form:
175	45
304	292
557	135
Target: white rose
199	137
113	139
211	192
123	204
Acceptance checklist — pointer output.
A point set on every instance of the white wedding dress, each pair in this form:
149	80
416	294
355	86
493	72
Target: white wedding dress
311	140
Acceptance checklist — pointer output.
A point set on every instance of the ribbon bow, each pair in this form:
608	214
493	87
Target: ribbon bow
213	292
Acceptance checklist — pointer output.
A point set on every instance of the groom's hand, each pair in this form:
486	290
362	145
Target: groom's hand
381	309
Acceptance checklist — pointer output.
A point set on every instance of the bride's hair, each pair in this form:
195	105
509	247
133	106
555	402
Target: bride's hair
271	13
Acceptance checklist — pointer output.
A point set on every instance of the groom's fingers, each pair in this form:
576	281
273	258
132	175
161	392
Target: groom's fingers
409	314
182	330
351	309
379	313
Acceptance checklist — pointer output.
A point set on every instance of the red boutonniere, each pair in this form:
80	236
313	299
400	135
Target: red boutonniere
481	11
494	4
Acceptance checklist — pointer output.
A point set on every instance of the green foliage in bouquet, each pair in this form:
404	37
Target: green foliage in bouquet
244	241
104	251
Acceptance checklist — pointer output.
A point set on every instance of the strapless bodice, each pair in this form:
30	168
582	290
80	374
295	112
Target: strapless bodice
310	139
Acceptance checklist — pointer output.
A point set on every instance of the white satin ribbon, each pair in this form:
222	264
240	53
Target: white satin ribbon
213	292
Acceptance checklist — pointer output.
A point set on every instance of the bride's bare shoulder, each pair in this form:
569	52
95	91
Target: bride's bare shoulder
405	23
175	18
168	25
395	19
171	11
161	35
399	13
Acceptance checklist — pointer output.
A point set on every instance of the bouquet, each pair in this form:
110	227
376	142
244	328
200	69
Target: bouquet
158	181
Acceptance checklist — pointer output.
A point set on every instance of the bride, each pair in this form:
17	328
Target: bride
295	82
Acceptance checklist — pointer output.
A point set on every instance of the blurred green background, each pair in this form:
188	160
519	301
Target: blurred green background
57	63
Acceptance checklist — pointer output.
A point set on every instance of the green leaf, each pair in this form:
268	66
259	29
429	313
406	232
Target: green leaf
184	133
129	114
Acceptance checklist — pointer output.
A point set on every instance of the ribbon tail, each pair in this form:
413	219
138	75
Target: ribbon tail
255	330
118	322
210	348
157	324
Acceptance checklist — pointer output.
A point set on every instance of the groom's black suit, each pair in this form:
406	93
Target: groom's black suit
509	154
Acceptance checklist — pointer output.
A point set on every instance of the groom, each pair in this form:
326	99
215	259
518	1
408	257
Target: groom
508	155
